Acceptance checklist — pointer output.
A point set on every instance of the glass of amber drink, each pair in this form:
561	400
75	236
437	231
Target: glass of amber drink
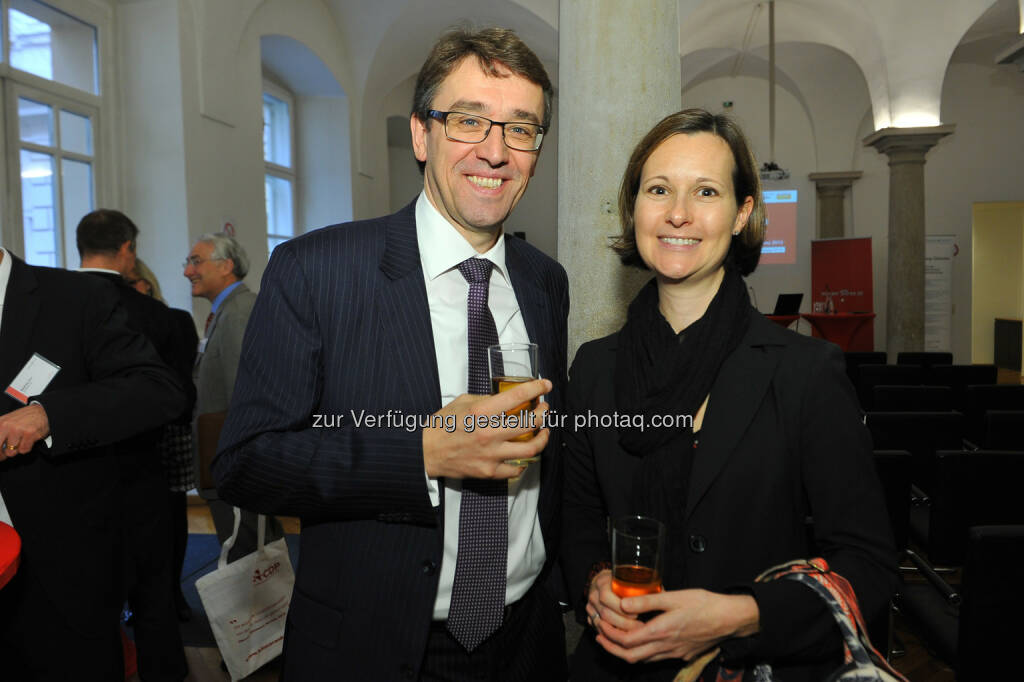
638	543
512	364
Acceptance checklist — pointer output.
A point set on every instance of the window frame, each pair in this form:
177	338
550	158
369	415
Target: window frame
14	91
16	83
276	170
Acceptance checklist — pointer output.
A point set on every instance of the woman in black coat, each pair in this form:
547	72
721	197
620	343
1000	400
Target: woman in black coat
776	465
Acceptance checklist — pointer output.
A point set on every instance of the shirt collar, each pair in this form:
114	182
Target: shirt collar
5	273
222	295
441	246
106	270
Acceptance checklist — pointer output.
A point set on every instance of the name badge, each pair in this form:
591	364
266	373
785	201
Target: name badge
33	378
202	345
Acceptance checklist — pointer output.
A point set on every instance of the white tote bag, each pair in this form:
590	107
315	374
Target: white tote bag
247	601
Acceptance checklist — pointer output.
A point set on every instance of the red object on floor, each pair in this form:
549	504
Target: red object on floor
10	553
131	664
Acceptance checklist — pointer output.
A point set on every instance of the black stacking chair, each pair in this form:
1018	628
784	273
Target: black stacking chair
894	468
969	489
919	433
884	375
924	358
982	399
975	627
912	398
1004	430
854	359
959	377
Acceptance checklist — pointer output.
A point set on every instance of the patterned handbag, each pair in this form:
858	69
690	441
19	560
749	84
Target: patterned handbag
861	661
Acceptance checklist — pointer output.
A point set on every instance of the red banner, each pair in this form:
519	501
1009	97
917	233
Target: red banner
841	270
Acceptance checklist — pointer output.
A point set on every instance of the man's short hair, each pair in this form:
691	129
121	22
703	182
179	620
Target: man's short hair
224	248
495	48
104	231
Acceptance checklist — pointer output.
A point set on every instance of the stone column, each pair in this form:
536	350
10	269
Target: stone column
904	299
618	74
832	188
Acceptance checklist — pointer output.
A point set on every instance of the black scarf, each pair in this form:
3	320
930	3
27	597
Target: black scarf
659	372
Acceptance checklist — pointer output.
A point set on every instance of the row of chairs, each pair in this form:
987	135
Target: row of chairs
954	377
950	455
993	416
973	516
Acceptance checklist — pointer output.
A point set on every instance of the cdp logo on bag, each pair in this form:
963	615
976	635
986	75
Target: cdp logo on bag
259	576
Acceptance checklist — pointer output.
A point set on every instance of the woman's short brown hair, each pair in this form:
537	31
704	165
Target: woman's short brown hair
745	250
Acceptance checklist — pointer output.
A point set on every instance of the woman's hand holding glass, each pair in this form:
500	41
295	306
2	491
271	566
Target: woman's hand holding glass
604	607
690	622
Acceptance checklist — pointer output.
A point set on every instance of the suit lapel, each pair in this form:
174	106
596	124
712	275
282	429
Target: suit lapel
21	307
532	302
405	312
216	317
735	398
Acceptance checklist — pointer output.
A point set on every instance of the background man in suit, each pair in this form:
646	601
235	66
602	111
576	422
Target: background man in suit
383	317
58	480
106	242
216	266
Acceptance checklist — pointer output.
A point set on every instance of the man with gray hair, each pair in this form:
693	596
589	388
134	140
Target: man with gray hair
216	266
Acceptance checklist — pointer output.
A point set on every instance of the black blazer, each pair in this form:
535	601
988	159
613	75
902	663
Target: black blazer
782	439
163	328
111	385
342	323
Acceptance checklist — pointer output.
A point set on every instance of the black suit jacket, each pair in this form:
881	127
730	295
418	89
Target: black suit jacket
163	328
342	323
782	439
111	385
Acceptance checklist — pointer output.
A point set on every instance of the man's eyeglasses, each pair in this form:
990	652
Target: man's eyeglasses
525	137
196	261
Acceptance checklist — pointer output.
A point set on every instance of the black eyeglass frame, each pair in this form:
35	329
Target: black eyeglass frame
442	116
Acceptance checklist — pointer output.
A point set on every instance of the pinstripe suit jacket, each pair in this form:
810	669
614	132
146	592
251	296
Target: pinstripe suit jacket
341	324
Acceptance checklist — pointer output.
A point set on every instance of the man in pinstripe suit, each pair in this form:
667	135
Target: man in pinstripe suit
357	340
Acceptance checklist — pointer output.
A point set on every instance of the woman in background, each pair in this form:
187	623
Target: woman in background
176	441
776	438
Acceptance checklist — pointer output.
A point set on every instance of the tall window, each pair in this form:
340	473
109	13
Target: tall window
50	74
279	161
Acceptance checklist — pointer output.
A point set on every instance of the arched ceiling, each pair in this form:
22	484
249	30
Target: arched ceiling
298	67
902	47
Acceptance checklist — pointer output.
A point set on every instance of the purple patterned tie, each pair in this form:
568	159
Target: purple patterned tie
478	591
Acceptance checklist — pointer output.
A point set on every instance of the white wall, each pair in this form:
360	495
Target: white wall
979	162
192	132
154	149
189	129
324	162
794	150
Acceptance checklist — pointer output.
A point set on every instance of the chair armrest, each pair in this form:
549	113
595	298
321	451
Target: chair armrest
947	591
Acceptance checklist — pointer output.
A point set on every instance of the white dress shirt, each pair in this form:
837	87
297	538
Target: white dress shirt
442	248
5	274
